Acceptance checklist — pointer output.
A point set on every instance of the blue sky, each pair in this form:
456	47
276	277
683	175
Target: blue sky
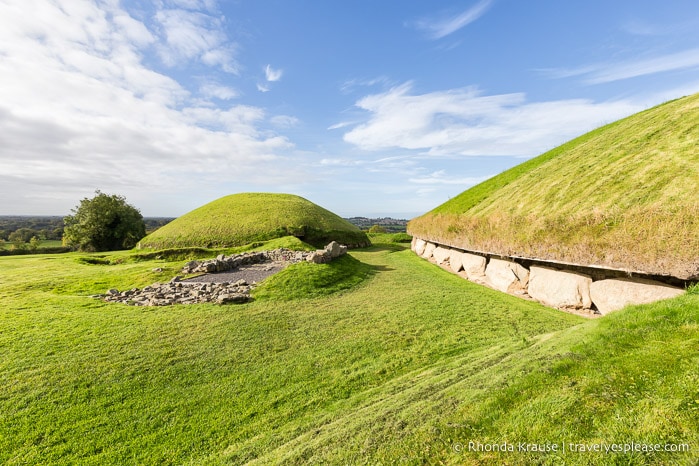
366	108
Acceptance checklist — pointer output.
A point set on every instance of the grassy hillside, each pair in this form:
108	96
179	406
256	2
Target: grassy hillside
625	195
243	218
398	362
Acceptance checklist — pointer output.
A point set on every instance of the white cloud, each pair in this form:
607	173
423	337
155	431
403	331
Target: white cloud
437	28
342	124
284	121
193	35
80	110
609	72
262	87
272	75
440	178
464	122
349	85
212	90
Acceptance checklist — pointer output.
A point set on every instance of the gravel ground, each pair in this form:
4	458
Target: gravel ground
250	273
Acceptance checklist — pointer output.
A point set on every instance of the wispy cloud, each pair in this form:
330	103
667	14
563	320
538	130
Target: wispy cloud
342	124
440	178
284	121
194	35
351	84
600	73
218	91
438	27
272	75
464	122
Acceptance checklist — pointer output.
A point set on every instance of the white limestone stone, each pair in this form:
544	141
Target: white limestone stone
557	288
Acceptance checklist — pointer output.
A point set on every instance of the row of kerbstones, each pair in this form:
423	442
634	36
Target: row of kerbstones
552	287
179	292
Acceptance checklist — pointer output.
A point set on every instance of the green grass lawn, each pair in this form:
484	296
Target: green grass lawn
379	358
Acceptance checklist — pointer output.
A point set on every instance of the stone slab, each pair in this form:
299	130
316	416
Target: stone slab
474	265
429	249
455	260
613	294
558	288
441	254
506	276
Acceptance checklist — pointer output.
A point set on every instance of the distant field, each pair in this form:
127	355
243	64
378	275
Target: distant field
379	358
49	243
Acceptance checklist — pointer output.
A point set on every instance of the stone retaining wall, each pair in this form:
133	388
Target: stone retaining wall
555	286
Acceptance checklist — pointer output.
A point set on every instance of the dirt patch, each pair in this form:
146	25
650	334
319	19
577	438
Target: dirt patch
253	273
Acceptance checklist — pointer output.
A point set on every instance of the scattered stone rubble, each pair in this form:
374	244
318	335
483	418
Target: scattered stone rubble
183	292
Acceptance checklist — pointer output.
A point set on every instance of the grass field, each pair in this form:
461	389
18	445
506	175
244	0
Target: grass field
379	358
243	218
624	195
44	244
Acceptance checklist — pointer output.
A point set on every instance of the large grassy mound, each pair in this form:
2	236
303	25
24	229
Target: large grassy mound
244	218
625	195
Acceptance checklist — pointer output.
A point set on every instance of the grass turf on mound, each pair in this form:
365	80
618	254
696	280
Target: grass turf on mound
624	195
248	217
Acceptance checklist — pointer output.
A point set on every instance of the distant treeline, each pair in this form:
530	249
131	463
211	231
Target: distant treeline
391	225
24	228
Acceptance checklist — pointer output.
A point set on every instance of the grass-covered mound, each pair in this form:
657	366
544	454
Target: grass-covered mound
625	195
244	218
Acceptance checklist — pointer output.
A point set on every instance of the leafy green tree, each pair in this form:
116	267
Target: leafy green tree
21	235
377	229
103	223
34	243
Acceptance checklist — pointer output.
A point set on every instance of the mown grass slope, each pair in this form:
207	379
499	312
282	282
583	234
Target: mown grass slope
400	362
243	218
625	195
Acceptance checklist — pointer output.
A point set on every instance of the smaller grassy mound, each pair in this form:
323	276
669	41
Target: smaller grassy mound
245	218
307	280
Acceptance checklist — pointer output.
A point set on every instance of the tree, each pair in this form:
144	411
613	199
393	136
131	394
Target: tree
34	243
103	223
377	229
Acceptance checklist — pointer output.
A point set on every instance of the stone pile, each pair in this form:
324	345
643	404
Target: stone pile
179	292
224	263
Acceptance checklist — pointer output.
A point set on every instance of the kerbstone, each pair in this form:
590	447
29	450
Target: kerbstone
506	276
558	288
419	246
455	260
473	265
429	249
613	294
441	254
